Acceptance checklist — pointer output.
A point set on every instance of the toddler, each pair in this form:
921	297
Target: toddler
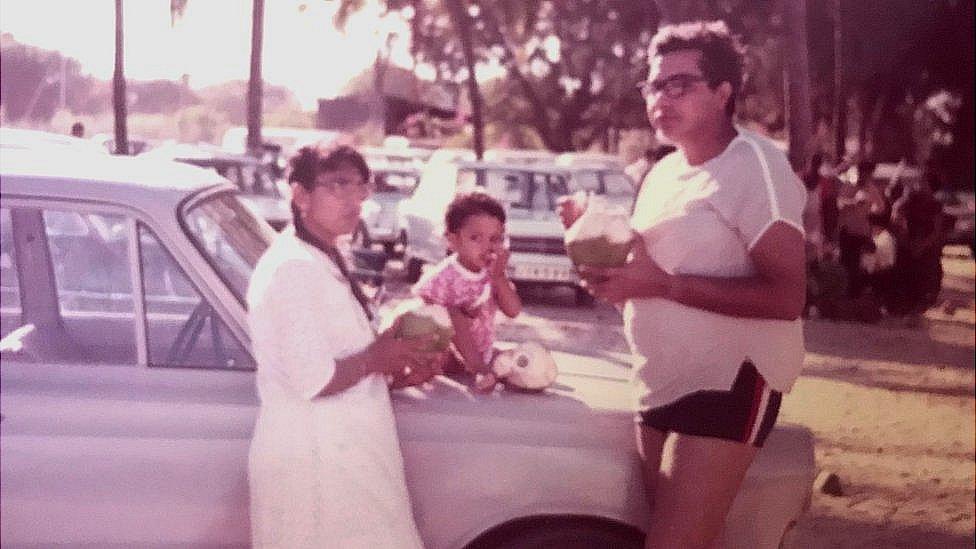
472	282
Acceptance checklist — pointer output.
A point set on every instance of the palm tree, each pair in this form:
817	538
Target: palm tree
462	22
254	84
118	87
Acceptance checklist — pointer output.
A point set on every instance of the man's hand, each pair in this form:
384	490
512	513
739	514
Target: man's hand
640	277
570	208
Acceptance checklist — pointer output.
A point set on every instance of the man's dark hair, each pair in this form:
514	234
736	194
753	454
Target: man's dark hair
721	53
468	205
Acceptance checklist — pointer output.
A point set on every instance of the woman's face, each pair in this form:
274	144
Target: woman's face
331	208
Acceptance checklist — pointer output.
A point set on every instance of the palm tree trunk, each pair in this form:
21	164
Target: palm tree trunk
254	85
462	21
840	99
118	86
799	117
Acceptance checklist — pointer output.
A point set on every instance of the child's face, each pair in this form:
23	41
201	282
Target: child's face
478	241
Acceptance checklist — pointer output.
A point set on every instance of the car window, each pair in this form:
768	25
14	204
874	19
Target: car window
93	284
228	236
585	181
395	182
617	184
181	327
524	190
10	313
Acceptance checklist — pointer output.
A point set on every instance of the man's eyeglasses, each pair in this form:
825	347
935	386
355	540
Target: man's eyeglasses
674	87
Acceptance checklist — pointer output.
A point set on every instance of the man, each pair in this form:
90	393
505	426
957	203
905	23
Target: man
713	290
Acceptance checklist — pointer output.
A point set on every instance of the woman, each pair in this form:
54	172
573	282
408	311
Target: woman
325	466
713	290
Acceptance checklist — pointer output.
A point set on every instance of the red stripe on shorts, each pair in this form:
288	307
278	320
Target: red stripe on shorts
756	403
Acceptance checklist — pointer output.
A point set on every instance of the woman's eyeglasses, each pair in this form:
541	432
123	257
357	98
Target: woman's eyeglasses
674	87
338	185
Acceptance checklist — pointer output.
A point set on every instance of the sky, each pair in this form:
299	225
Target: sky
212	42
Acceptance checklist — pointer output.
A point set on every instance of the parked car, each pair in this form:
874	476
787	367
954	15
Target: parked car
529	193
393	182
287	140
17	138
260	185
127	389
960	207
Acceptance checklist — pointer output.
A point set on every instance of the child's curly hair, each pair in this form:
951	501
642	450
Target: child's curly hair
470	204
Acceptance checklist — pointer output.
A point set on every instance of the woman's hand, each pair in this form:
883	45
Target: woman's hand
410	360
640	277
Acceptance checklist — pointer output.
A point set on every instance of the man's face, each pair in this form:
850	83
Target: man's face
679	102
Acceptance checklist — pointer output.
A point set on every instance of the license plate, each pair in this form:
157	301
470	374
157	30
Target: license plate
542	273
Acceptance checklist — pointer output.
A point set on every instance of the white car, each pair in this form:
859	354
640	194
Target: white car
393	183
528	193
261	190
128	396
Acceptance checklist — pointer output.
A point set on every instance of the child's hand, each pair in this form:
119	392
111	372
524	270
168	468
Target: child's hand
498	264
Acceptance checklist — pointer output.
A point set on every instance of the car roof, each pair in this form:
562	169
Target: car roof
512	166
122	179
19	138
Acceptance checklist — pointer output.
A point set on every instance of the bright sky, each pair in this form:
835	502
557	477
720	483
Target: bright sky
212	43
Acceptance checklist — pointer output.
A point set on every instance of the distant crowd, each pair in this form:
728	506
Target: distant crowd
874	246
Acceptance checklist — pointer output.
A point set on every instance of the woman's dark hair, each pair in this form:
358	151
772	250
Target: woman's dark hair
304	168
721	53
471	204
311	160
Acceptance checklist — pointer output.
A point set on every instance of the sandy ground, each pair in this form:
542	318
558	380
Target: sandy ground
892	409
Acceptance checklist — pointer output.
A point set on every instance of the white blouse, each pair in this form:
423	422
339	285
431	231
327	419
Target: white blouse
324	471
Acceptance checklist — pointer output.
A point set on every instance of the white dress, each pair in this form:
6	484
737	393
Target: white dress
323	471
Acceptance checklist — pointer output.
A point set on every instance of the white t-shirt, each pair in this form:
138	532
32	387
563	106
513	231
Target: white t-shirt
324	471
704	220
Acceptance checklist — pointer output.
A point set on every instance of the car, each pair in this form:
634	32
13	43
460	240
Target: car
959	206
262	189
393	182
17	138
529	193
127	390
286	140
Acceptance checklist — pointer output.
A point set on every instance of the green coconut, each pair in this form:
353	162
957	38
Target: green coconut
598	252
424	321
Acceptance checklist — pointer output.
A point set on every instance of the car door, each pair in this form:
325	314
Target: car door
127	403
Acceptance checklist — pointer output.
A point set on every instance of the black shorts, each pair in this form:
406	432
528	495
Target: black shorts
745	413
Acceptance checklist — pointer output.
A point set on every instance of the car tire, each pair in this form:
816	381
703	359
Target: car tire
584	298
568	533
413	269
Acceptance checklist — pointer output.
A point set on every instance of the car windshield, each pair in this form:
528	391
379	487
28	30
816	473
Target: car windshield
395	182
228	235
519	189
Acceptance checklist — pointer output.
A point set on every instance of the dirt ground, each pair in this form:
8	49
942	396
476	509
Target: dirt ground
892	409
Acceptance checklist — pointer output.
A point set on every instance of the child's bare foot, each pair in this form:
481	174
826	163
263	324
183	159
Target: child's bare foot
484	383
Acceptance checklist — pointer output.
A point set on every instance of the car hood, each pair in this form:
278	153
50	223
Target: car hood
588	405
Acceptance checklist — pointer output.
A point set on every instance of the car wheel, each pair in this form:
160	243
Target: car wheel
562	533
584	298
360	238
414	269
